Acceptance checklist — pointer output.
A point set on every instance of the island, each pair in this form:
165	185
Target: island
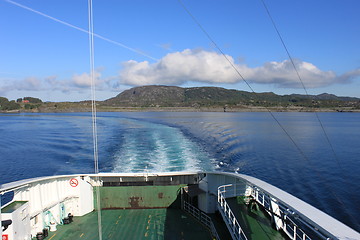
207	99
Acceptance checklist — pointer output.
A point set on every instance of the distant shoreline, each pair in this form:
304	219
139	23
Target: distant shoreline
158	98
184	109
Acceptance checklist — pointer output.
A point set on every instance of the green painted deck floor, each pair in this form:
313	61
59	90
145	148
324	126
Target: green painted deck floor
256	225
133	224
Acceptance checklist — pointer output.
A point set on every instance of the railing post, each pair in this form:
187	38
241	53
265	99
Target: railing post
219	195
263	200
181	198
228	208
294	237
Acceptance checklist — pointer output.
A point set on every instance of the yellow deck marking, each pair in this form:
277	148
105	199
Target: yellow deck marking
52	236
147	227
82	235
149	221
118	220
146	234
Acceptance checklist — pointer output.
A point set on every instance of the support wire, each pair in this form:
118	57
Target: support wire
302	83
338	198
93	111
268	110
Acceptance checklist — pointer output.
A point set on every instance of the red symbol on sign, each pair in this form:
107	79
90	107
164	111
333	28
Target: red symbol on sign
5	237
74	182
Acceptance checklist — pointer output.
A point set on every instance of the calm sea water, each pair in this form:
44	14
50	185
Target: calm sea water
33	145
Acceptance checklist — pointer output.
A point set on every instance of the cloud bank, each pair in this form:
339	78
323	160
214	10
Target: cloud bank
178	68
210	67
77	82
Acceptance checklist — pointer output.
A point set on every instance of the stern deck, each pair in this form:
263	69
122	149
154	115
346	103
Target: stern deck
133	224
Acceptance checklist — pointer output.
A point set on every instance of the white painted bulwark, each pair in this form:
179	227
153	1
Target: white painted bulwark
86	197
18	213
47	201
51	199
202	202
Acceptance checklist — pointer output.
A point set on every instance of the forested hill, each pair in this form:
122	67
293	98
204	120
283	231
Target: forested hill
168	96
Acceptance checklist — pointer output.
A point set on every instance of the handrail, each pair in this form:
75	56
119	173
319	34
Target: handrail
229	217
202	217
282	214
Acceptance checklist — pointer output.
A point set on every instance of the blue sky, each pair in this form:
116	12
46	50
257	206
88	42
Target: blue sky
44	46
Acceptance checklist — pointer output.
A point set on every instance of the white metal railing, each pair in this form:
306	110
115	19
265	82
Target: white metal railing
229	217
288	226
202	217
282	214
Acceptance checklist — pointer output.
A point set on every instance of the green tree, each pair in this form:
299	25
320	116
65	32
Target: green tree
12	105
3	103
33	100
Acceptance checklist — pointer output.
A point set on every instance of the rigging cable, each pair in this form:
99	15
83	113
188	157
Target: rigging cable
241	76
302	83
80	29
268	110
93	111
316	114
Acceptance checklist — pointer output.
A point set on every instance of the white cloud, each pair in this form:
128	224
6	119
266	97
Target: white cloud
78	82
26	84
204	67
210	67
31	83
283	74
84	80
180	67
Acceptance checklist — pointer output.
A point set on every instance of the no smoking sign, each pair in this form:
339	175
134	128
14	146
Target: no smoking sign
74	182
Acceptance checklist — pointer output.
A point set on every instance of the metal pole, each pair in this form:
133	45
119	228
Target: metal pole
0	216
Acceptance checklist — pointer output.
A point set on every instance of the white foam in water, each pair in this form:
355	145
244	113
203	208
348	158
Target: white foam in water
126	157
155	147
160	159
190	158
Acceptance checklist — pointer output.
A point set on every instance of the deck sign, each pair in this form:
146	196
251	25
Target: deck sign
74	182
5	237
